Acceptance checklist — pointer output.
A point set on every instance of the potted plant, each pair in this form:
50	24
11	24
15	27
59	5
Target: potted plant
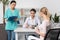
55	20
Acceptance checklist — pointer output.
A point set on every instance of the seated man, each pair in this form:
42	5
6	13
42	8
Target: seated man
32	22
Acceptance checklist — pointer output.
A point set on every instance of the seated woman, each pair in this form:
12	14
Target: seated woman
41	30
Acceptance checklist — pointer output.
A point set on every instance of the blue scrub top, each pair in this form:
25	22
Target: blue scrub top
11	25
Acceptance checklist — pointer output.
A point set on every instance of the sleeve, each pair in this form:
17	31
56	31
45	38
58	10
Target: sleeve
6	14
26	23
43	26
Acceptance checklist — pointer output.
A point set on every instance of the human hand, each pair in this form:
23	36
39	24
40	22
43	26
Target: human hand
30	27
37	30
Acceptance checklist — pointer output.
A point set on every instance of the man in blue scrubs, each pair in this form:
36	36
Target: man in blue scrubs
11	26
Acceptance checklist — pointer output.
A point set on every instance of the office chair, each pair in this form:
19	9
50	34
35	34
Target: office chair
52	34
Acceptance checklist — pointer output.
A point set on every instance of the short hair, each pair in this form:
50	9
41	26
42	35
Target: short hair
33	10
12	2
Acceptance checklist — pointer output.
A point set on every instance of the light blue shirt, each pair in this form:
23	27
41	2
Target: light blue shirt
29	21
11	25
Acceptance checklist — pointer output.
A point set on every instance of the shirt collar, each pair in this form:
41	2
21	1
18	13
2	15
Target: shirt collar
31	18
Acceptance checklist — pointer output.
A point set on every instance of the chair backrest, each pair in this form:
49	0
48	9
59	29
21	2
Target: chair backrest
52	34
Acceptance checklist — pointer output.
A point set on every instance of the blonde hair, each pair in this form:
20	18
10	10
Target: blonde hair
42	8
46	13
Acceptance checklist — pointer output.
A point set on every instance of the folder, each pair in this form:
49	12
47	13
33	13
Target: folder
12	18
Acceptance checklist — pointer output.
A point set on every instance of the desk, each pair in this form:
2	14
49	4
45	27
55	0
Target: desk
22	32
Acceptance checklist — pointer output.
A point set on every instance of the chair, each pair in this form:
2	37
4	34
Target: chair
52	34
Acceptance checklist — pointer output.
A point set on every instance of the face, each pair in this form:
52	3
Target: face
13	5
41	14
32	13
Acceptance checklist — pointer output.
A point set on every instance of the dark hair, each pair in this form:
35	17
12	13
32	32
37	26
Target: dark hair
12	2
33	10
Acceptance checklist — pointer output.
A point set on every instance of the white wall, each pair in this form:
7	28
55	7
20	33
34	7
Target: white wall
1	13
52	5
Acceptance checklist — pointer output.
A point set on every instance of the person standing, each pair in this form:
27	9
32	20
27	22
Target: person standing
11	26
